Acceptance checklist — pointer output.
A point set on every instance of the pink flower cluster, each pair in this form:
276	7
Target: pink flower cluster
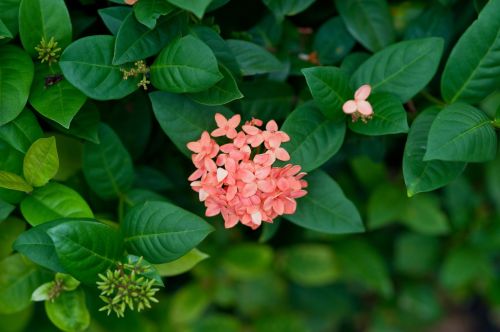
237	179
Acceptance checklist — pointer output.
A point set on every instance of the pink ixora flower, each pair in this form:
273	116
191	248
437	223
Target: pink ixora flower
130	2
237	179
359	108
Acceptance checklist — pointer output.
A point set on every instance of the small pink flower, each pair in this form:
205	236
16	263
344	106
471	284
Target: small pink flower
359	108
226	127
130	2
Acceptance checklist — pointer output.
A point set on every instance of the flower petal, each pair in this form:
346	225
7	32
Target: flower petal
363	92
365	108
349	107
220	120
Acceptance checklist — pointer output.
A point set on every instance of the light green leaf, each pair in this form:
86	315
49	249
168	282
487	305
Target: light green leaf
182	119
42	293
389	117
13	181
149	11
86	248
185	65
473	69
114	16
41	162
252	58
402	69
44	19
369	21
107	166
16	75
21	132
325	208
162	232
420	175
282	8
461	132
313	138
196	7
86	64
247	260
54	201
330	89
425	216
69	311
188	304
332	41
181	265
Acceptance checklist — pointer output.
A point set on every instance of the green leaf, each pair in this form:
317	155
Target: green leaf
252	58
330	89
162	232
420	175
107	166
188	304
18	280
223	92
182	119
42	293
10	229
11	161
16	75
85	124
86	64
435	21
325	208
68	311
86	248
139	196
58	102
181	265
402	69
353	61
9	14
310	265
5	210
369	21
41	162
461	132
185	65
149	11
425	216
332	41
43	19
135	41
196	7
386	205
473	70
282	8
70	152
153	179
247	260
13	181
36	244
114	16
54	201
314	139
21	132
5	34
463	266
389	117
417	255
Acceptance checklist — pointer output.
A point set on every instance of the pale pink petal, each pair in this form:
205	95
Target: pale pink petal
251	130
249	189
290	206
274	141
196	175
221	174
230	221
212	210
365	108
231	192
194	146
246	175
234	121
279	206
220	120
282	154
256	218
363	92
218	132
349	107
205	138
263	172
266	186
202	195
231	133
272	126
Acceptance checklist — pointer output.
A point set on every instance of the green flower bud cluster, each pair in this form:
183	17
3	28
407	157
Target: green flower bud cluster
48	50
126	286
140	69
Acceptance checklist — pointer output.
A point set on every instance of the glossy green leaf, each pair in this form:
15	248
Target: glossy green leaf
13	181
473	69
332	41
435	21
282	8
41	162
353	61
86	248
389	117
58	102
402	69
162	232
461	132
182	264
107	166
223	92
19	278
196	7
420	175
149	11
44	19
70	152
183	120
135	41
314	139
16	75
87	64
9	14
37	245
85	124
369	21
5	210
113	17
5	34
185	65
330	89
11	161
69	311
21	132
325	208
54	201
252	58
10	229
310	265
151	178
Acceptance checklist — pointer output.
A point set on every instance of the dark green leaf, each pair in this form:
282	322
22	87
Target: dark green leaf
9	14
196	7
114	16
149	11
425	216
252	58
5	210
280	8
223	92
85	124
10	229
21	132
332	41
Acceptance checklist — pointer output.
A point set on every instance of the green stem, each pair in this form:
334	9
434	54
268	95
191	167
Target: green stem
496	123
431	98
